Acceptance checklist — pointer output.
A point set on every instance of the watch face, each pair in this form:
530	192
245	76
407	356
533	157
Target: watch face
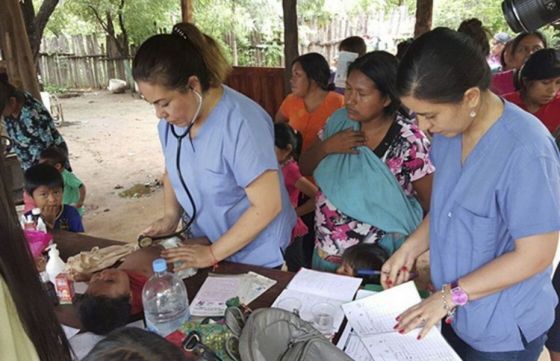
459	297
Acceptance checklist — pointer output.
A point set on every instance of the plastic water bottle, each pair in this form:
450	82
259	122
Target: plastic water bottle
164	297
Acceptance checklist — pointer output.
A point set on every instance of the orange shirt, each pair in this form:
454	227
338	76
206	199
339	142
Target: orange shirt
307	123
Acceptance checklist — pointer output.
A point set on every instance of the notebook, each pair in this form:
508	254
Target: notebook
314	287
372	319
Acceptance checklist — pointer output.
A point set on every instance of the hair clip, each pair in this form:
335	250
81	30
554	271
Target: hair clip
179	32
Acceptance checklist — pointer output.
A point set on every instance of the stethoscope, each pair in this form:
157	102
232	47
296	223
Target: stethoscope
146	241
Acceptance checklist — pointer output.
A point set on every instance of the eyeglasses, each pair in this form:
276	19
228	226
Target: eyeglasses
193	343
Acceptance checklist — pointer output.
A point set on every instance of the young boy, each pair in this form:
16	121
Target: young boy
364	257
74	189
45	185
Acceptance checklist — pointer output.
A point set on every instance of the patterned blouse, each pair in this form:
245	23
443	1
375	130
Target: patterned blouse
33	132
408	160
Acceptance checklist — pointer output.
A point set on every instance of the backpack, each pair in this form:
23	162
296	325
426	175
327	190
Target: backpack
273	334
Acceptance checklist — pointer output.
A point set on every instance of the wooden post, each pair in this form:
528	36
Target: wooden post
187	11
424	9
290	37
16	49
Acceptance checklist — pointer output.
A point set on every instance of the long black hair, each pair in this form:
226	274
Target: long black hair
18	270
316	68
441	65
381	68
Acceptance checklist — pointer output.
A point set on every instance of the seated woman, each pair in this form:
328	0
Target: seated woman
537	88
515	56
311	101
29	125
371	165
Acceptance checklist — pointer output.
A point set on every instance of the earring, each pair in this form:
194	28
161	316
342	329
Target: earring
472	114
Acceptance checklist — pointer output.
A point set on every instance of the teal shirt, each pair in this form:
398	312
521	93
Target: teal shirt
72	185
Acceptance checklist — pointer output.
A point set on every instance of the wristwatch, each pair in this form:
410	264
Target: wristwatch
458	295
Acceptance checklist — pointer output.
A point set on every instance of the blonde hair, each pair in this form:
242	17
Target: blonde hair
171	59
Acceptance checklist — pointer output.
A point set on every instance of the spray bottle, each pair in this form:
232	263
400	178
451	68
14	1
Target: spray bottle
55	265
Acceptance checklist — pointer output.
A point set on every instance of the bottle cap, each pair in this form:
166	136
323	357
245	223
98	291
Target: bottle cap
159	265
36	211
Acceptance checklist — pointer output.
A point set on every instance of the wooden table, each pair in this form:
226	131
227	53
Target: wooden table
70	244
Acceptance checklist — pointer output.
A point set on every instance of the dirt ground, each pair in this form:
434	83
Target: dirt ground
113	143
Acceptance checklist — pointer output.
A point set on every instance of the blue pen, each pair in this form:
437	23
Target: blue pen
371	273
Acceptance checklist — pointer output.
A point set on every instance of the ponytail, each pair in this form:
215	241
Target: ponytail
171	59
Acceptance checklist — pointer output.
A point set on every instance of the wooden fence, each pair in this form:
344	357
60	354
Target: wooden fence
263	85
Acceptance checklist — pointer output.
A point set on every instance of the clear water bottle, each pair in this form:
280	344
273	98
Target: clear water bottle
164	297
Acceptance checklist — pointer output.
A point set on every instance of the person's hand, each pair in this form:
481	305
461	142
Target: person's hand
192	256
40	264
49	214
161	227
396	269
345	141
425	314
79	276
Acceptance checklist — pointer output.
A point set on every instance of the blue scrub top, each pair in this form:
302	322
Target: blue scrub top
507	188
234	146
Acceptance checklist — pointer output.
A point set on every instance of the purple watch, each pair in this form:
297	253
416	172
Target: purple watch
458	296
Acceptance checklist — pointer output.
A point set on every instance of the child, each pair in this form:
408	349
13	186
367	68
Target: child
45	185
538	85
74	189
363	257
288	147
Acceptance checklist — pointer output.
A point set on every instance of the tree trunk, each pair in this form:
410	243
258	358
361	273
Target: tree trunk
290	37
16	51
35	25
125	51
187	11
424	9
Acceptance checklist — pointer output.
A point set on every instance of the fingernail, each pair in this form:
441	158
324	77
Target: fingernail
401	331
404	269
419	337
398	317
389	282
396	326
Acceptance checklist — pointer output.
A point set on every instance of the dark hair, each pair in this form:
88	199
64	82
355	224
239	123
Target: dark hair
285	135
171	59
542	64
134	344
8	91
42	175
18	271
53	156
316	68
365	256
481	36
402	47
354	44
517	40
507	48
381	68
102	314
441	65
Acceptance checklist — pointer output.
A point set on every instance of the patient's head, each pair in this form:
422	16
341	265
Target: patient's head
106	303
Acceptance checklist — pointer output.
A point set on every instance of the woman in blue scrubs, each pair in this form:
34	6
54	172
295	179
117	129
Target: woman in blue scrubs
218	145
494	217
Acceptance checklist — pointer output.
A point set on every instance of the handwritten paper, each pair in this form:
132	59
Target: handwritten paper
372	319
217	289
314	287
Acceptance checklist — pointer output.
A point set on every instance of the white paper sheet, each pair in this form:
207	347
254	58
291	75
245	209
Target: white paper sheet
344	59
329	285
373	319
